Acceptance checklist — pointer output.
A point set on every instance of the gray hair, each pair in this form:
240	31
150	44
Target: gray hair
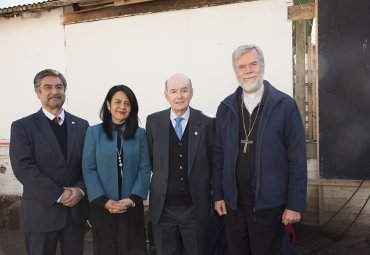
241	50
48	72
187	79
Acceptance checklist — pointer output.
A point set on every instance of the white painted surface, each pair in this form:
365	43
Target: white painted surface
9	185
12	3
142	52
312	169
26	47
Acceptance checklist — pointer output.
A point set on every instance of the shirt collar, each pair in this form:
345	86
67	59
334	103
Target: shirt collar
51	116
185	115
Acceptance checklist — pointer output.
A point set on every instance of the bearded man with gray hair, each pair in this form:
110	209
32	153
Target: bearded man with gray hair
259	166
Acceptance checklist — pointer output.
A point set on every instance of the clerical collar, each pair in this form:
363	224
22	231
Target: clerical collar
253	99
51	116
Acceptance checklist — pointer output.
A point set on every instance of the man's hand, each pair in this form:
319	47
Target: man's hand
220	207
65	196
290	216
74	198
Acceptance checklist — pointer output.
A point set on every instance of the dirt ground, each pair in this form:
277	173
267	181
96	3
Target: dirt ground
309	241
12	242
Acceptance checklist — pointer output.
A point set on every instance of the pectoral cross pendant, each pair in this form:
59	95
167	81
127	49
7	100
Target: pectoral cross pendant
246	142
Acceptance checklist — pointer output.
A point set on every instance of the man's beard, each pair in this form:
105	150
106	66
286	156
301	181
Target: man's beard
252	87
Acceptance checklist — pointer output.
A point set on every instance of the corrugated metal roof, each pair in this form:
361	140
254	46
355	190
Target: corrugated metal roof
13	3
30	5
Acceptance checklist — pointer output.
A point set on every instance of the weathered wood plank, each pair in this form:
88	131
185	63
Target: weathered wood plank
310	111
337	182
140	8
300	71
302	11
126	2
338	194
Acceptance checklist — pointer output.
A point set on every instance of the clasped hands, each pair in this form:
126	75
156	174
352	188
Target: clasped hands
71	196
119	206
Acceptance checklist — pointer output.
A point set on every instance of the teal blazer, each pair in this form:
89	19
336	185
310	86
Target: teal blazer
99	164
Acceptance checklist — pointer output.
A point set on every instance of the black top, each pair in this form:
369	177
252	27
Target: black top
60	132
246	162
178	191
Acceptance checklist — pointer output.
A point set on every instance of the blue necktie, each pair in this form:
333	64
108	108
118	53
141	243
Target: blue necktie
178	127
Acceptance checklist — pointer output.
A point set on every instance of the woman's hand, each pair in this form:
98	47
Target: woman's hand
127	203
115	206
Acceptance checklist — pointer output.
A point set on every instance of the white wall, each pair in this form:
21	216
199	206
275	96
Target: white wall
140	51
8	183
26	47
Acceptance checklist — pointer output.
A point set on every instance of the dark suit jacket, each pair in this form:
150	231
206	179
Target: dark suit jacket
199	162
38	163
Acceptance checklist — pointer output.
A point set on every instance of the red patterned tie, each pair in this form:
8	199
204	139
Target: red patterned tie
56	120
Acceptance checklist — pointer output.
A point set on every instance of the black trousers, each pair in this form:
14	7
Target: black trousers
179	232
118	234
258	233
71	239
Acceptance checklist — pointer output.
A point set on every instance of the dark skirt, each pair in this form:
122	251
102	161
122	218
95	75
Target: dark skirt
118	234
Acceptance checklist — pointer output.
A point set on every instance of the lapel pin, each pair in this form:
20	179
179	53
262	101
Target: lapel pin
195	133
73	122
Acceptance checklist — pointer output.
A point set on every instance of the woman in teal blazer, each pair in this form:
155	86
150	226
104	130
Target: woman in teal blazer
116	170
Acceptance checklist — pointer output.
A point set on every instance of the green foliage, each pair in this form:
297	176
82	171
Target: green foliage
309	23
296	2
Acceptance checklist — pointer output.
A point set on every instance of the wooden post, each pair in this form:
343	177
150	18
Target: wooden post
309	91
320	191
300	72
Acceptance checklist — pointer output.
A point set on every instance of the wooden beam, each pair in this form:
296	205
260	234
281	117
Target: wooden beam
337	182
111	11
126	2
92	3
302	11
310	111
320	191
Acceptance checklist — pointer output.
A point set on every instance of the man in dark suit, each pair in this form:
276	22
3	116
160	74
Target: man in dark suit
45	153
180	143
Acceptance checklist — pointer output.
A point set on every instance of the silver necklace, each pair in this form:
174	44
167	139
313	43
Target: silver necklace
246	141
119	154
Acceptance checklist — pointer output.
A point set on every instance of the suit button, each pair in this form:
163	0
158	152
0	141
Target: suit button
180	155
180	143
181	179
180	167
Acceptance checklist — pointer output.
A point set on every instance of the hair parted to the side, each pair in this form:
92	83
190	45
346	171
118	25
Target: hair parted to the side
48	72
131	123
241	50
